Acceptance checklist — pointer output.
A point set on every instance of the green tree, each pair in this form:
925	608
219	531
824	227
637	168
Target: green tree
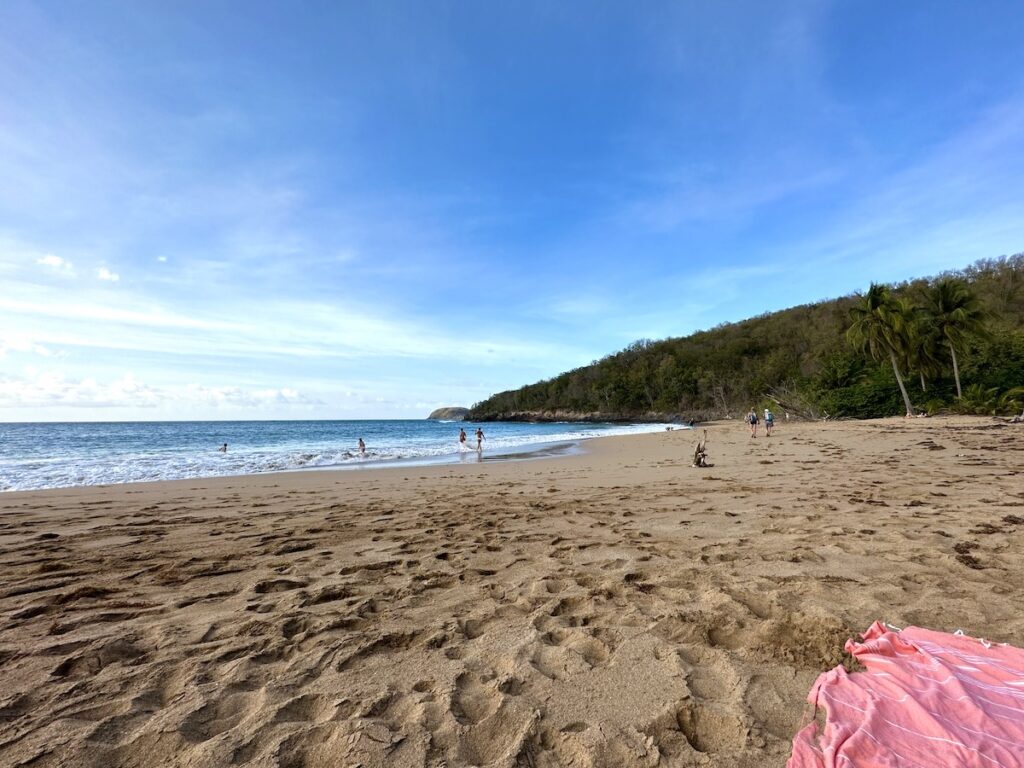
879	328
956	314
921	341
802	351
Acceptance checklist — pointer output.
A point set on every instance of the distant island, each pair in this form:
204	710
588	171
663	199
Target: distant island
451	413
951	343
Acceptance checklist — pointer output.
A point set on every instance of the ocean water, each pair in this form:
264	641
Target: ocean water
39	455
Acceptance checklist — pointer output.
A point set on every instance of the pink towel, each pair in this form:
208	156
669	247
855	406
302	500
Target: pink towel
926	700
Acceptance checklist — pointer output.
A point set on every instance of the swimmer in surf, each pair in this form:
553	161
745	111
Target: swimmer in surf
479	439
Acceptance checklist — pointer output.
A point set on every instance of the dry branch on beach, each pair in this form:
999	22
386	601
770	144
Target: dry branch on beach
700	453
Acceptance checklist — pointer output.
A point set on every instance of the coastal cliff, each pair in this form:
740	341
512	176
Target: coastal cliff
450	413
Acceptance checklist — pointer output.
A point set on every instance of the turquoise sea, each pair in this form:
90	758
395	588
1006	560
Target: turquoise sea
57	455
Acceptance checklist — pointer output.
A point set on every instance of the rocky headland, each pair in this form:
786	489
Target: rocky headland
450	413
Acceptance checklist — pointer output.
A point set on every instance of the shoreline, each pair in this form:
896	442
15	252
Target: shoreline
611	607
536	453
528	448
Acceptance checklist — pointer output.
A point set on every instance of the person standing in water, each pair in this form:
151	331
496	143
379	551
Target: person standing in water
362	447
223	448
479	439
462	438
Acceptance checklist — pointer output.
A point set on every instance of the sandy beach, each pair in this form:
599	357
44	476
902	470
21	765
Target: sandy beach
616	608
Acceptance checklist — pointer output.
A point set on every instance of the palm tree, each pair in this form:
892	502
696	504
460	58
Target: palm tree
879	328
921	342
955	314
1012	399
980	399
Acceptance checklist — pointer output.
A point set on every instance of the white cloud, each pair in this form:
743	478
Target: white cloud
161	259
237	396
14	342
105	274
53	389
48	389
56	264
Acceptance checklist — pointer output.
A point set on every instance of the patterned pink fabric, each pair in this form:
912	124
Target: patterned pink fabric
926	700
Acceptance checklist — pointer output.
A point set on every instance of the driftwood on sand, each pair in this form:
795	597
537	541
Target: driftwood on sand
700	452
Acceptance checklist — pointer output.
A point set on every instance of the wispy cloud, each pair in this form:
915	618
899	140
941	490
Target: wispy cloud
723	194
95	312
957	202
280	328
105	274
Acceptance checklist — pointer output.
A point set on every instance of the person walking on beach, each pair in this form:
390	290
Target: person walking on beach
479	439
769	422
362	447
462	439
752	421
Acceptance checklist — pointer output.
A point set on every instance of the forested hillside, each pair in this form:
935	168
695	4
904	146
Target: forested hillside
806	360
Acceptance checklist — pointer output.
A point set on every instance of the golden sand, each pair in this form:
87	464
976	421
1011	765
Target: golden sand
617	608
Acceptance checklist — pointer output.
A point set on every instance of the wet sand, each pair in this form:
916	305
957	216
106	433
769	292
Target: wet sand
617	608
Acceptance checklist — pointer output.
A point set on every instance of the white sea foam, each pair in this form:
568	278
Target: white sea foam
109	463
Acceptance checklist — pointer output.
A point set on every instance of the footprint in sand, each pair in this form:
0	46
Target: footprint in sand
425	686
473	628
323	744
308	708
769	701
121	650
711	728
560	662
277	585
216	717
298	625
473	700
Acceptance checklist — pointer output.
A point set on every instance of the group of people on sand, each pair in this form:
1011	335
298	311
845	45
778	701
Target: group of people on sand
769	422
479	439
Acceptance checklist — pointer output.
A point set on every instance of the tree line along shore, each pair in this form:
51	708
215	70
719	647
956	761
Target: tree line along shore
953	343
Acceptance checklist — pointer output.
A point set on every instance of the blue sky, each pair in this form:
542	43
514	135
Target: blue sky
366	210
